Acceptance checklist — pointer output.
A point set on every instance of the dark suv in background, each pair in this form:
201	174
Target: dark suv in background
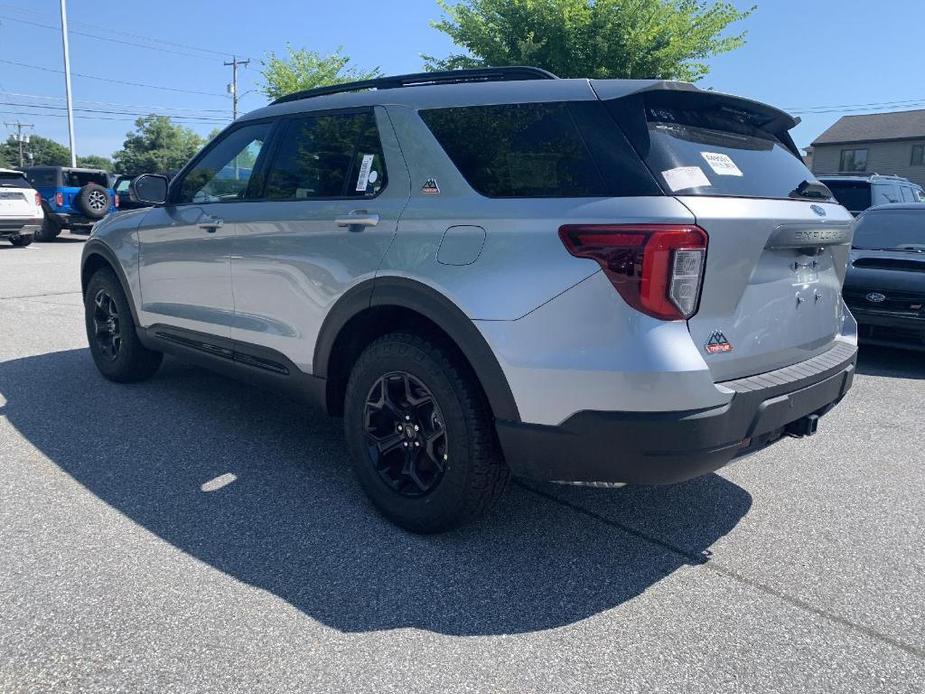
857	192
72	198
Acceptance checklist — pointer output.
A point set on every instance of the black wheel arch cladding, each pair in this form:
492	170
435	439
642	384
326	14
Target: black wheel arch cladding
398	292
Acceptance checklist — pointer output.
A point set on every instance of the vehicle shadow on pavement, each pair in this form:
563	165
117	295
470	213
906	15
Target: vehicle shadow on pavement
891	363
295	523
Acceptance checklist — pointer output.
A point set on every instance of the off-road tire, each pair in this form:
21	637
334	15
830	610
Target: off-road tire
93	200
133	361
21	240
49	231
475	475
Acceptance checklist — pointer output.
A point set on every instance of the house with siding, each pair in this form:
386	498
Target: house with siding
884	143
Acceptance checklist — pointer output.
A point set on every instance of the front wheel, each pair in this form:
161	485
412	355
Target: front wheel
421	436
21	240
116	349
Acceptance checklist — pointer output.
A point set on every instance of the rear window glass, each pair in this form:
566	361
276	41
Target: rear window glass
78	179
853	195
891	230
703	154
518	150
13	180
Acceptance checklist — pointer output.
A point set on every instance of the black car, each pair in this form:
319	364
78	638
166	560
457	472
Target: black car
885	286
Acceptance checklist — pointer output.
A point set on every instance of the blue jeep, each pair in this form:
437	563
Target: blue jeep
72	198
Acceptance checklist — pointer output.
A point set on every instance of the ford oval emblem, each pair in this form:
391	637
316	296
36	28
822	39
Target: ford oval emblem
876	297
818	210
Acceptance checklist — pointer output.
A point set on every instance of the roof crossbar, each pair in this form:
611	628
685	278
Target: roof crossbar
487	74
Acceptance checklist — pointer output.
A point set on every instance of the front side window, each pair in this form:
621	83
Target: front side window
853	160
224	173
518	150
908	194
327	156
918	155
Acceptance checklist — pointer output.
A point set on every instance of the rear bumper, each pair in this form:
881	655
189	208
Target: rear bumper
890	329
13	227
666	447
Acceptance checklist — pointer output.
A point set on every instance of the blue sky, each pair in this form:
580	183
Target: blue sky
818	58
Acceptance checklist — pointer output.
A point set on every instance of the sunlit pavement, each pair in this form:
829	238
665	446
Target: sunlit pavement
195	534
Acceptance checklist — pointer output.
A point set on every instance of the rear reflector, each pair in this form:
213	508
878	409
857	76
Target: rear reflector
656	268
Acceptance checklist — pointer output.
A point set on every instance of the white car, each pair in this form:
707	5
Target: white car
20	208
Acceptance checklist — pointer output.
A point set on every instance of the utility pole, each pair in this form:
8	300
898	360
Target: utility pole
233	87
22	140
67	84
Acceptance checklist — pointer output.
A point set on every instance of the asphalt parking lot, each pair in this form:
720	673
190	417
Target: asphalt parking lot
195	534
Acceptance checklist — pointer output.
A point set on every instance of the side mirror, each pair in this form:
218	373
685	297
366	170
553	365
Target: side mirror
150	189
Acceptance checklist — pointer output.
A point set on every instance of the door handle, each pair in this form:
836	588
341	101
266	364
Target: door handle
357	218
211	224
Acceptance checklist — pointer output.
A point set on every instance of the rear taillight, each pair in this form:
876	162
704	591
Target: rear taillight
38	199
657	268
116	199
59	199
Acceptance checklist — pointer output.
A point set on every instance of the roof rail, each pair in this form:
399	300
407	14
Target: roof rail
486	74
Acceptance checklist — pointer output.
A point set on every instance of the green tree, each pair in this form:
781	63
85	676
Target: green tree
156	145
95	161
44	151
666	39
306	69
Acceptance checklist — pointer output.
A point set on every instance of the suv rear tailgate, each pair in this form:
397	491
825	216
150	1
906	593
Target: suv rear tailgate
772	285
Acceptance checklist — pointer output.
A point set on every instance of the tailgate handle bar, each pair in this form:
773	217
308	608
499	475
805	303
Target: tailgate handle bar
809	236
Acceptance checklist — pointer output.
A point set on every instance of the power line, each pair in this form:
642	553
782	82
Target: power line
112	103
81	116
113	81
133	44
142	37
210	119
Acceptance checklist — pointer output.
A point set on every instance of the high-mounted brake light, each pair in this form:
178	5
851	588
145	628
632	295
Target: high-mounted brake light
656	268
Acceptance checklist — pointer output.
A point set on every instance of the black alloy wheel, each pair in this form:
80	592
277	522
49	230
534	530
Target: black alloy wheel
107	325
405	433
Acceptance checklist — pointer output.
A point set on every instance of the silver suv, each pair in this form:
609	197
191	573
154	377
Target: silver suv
496	272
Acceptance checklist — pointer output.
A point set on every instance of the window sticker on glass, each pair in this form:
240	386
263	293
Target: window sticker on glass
721	164
684	177
365	167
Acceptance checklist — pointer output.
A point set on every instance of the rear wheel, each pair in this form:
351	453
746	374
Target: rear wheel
421	436
116	349
49	231
21	240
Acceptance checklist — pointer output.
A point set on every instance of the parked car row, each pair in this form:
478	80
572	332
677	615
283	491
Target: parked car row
67	198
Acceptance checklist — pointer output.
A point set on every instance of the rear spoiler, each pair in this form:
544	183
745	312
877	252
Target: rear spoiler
685	95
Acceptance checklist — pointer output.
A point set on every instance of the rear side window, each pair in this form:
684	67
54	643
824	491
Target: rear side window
853	195
327	156
43	177
78	179
908	194
518	150
711	152
13	180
